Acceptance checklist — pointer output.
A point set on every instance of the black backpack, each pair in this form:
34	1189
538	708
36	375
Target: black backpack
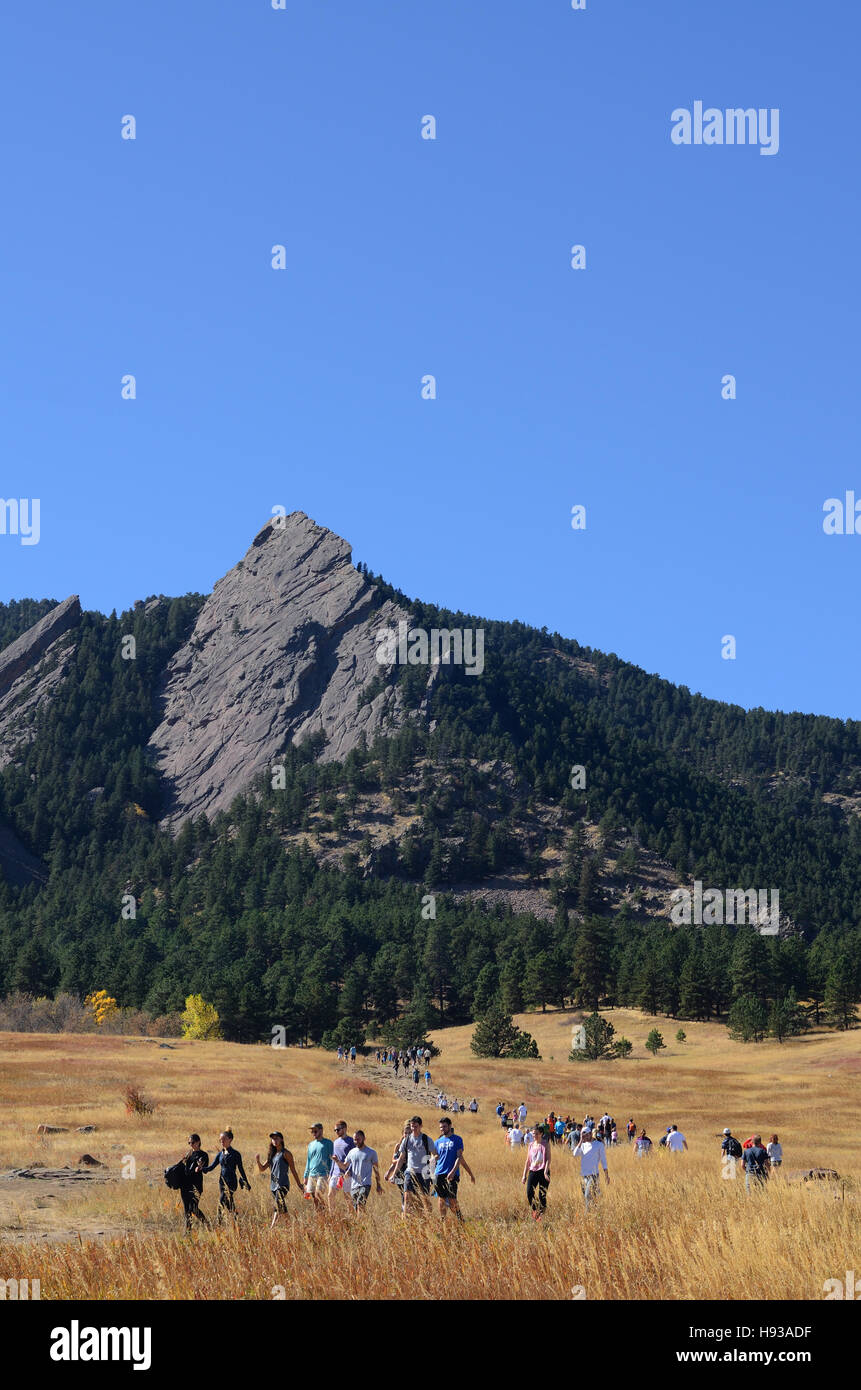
733	1147
176	1176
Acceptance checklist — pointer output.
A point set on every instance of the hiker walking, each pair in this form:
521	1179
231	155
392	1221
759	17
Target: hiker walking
774	1149
756	1165
229	1161
415	1157
191	1181
731	1152
318	1163
642	1144
675	1141
279	1164
449	1161
339	1181
536	1173
593	1156
362	1164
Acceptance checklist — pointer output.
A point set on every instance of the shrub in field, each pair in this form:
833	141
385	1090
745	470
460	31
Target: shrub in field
654	1042
200	1020
623	1047
137	1103
596	1041
497	1035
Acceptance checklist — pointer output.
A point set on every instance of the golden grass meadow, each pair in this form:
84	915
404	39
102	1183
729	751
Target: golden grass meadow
668	1227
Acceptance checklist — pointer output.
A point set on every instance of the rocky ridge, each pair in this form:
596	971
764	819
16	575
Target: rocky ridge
283	648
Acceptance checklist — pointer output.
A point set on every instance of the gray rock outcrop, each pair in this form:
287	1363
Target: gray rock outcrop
30	669
284	647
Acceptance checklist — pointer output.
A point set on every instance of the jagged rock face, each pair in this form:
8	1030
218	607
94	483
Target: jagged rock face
30	669
283	647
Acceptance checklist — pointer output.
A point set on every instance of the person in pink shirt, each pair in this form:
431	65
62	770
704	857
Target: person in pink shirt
536	1172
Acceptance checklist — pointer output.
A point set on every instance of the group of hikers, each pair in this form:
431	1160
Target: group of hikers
422	1169
455	1104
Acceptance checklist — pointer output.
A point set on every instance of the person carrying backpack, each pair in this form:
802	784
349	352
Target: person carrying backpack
414	1159
732	1151
186	1177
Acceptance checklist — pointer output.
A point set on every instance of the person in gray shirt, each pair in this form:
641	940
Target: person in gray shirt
279	1164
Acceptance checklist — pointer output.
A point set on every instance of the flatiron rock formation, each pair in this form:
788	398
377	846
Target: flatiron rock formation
284	647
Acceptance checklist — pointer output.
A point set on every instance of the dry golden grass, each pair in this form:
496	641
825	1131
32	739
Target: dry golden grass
668	1227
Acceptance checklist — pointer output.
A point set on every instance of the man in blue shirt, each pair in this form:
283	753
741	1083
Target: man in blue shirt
318	1165
756	1164
449	1161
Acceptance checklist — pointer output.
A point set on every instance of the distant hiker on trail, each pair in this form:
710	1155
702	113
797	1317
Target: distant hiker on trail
731	1151
353	1054
675	1141
775	1152
536	1173
450	1159
191	1188
473	1105
631	1130
229	1160
317	1166
663	1139
642	1145
521	1114
514	1137
362	1165
338	1181
427	1078
395	1065
756	1164
279	1164
593	1156
340	1053
416	1076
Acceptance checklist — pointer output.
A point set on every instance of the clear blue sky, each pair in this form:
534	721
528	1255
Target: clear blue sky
405	257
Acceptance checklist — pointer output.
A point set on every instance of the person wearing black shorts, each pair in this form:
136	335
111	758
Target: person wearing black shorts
416	1153
279	1164
449	1161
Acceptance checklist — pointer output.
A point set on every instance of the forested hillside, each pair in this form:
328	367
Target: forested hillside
477	783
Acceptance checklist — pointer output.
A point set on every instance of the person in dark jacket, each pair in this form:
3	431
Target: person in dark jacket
279	1163
191	1191
230	1162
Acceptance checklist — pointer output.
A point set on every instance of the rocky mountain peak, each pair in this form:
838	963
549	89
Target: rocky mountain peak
284	647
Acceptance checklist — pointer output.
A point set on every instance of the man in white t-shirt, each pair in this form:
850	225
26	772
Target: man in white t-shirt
514	1136
592	1156
522	1112
676	1141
